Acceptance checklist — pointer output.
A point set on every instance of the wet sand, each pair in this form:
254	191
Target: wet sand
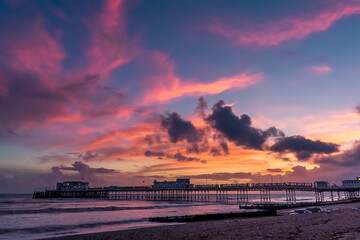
342	223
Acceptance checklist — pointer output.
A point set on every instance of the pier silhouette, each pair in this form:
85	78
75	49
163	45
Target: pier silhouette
202	192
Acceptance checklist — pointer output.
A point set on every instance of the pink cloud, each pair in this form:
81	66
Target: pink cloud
31	92
110	47
273	33
320	69
33	49
164	85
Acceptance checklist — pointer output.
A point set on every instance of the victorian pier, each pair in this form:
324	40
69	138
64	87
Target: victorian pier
182	190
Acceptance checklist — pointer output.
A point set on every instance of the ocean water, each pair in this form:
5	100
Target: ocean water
22	217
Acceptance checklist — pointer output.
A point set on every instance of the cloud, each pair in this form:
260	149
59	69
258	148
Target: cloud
100	154
320	69
31	48
179	129
89	156
164	85
110	47
29	99
201	106
92	99
215	152
27	180
86	171
224	147
303	148
151	139
274	170
358	109
273	33
193	148
149	153
179	89
239	130
181	158
198	147
349	158
177	156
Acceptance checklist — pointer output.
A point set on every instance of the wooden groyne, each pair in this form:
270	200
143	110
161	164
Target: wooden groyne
215	216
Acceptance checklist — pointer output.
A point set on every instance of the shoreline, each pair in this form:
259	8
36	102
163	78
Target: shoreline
337	224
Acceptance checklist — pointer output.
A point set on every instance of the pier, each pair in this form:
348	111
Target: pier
206	193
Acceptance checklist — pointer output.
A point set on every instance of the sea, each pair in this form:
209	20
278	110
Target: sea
22	217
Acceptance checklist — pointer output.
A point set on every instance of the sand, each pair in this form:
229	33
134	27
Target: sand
342	223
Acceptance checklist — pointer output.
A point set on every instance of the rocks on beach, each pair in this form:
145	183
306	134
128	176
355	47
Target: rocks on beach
312	210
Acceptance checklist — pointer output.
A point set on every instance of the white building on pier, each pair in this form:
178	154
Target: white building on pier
351	183
180	183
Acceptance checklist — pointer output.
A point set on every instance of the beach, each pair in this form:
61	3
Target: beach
342	223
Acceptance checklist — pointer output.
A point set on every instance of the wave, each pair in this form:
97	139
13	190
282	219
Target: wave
56	228
79	210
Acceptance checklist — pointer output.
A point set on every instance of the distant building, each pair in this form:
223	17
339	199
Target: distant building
351	183
180	183
321	184
72	186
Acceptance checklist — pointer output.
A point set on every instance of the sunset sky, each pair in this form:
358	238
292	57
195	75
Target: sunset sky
126	92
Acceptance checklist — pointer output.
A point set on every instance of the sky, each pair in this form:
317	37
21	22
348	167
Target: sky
127	92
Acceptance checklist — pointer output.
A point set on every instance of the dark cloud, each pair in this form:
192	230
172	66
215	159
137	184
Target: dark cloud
181	158
274	170
224	147
86	171
303	148
151	139
149	153
92	99
198	147
83	85
349	158
358	109
215	152
28	99
179	129
239	130
273	132
101	154
201	106
177	156
89	156
193	148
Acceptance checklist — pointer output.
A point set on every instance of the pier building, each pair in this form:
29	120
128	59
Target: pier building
351	183
72	186
321	184
180	183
